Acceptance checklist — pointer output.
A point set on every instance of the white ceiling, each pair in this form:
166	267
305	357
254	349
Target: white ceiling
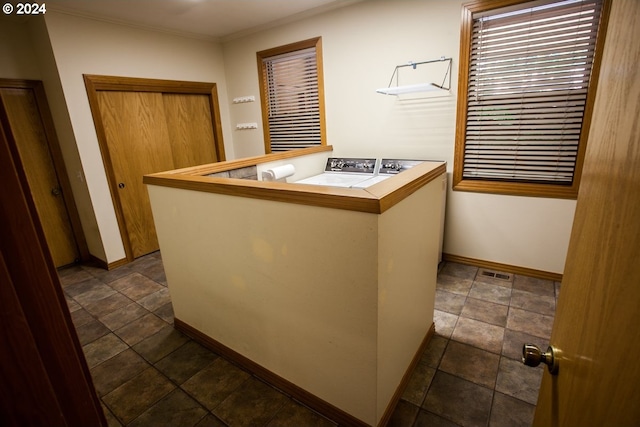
212	19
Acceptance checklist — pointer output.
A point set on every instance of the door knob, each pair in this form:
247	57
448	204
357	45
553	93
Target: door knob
121	185
55	191
533	356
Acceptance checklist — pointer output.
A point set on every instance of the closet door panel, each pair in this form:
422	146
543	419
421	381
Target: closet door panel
138	143
190	125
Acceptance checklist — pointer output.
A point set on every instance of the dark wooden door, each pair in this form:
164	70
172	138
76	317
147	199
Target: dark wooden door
44	378
23	120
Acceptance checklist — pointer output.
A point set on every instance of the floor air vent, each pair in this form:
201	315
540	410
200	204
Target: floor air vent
496	275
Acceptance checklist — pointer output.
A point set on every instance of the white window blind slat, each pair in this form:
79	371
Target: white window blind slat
529	73
293	100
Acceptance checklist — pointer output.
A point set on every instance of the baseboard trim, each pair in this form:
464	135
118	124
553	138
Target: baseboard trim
324	408
107	266
503	267
116	264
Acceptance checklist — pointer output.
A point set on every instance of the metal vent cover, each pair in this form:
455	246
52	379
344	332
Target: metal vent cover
507	277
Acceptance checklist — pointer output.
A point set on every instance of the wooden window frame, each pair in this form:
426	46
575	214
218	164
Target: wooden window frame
504	186
316	43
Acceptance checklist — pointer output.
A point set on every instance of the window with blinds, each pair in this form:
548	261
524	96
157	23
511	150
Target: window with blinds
527	84
292	105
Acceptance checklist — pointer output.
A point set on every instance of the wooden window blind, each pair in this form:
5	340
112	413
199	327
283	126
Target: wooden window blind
527	85
292	99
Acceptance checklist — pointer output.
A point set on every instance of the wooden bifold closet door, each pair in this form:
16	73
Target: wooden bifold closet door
146	126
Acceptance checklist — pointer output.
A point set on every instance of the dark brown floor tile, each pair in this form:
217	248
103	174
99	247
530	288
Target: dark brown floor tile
479	334
160	344
81	317
141	395
490	292
89	291
519	381
253	403
485	311
140	329
404	414
72	304
454	284
542	304
135	286
137	395
123	316
116	371
509	412
72	275
427	419
449	302
293	414
91	331
434	351
185	362
112	421
107	276
108	305
534	285
154	271
458	400
210	421
145	263
514	340
444	322
529	322
418	384
471	363
175	409
165	313
215	383
102	349
155	300
459	270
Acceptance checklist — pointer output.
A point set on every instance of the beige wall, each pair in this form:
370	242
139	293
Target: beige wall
81	46
18	58
362	44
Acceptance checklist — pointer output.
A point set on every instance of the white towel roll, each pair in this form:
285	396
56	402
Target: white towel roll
279	172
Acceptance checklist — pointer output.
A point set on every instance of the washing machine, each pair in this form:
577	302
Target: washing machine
344	172
386	169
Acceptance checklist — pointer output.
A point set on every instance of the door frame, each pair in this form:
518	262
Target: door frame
47	376
95	83
56	156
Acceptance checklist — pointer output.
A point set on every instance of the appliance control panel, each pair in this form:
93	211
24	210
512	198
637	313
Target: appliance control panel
395	166
350	165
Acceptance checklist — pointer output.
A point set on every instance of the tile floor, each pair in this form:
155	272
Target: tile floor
148	374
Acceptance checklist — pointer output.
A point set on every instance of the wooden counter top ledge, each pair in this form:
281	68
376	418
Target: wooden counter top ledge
374	199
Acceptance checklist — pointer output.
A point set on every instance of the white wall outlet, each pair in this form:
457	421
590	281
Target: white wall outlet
245	126
243	99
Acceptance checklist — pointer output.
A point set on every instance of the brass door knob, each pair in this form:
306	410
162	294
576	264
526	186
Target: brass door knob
533	356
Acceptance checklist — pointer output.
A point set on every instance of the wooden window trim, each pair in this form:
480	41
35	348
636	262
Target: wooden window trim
505	187
292	47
